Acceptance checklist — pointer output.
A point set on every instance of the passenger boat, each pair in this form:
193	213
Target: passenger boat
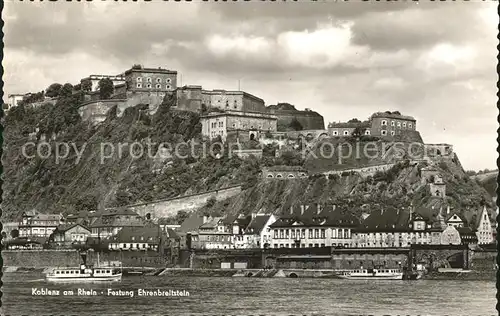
85	273
370	274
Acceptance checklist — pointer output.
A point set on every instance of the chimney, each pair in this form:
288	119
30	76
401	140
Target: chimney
205	219
334	207
319	208
382	212
253	215
291	210
302	207
448	210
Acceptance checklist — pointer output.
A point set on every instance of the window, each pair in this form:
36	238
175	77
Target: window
139	85
158	80
404	124
409	125
399	124
148	86
335	133
158	86
367	132
139	79
346	133
168	87
169	80
148	79
322	234
234	125
393	133
384	133
384	123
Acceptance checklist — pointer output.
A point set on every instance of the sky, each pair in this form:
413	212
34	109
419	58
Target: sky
435	61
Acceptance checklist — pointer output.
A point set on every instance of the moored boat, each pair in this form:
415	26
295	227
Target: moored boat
85	273
370	274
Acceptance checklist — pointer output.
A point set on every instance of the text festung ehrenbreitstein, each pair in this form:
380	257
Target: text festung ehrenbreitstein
109	292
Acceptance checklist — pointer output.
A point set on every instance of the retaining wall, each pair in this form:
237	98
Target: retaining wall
170	207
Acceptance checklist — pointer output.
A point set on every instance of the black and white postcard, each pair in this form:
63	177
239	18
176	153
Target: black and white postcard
249	158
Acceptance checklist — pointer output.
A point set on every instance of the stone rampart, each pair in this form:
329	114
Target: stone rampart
169	207
363	171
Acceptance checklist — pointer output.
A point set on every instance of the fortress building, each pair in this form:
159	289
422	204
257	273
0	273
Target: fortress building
140	79
286	113
94	81
194	98
244	124
381	124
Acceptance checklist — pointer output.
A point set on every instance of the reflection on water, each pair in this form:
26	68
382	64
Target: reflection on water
256	296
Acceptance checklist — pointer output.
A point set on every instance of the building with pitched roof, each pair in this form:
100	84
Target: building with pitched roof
484	228
314	225
238	224
34	224
258	232
212	234
64	236
111	221
393	228
136	238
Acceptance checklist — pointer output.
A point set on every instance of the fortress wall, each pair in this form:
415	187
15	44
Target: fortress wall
170	207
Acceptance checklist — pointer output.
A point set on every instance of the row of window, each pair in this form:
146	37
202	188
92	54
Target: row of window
125	246
347	133
290	176
40	223
308	246
214	124
398	124
149	86
214	134
312	233
157	80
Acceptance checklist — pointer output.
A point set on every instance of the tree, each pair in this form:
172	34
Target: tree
354	120
358	131
86	85
14	233
181	216
66	90
295	125
53	90
106	88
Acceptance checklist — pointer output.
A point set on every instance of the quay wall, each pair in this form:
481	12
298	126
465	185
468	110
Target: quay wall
71	258
212	259
40	258
170	207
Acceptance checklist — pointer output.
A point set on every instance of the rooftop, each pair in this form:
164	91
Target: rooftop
257	224
349	124
394	114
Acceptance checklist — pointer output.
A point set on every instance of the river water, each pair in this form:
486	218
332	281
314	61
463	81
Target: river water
252	296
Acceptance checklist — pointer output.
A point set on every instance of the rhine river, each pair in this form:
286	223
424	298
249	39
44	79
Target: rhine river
251	296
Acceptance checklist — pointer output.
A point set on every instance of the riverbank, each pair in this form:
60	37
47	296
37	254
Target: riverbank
272	273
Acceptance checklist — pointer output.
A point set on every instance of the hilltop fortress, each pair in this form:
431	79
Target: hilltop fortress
233	115
140	85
